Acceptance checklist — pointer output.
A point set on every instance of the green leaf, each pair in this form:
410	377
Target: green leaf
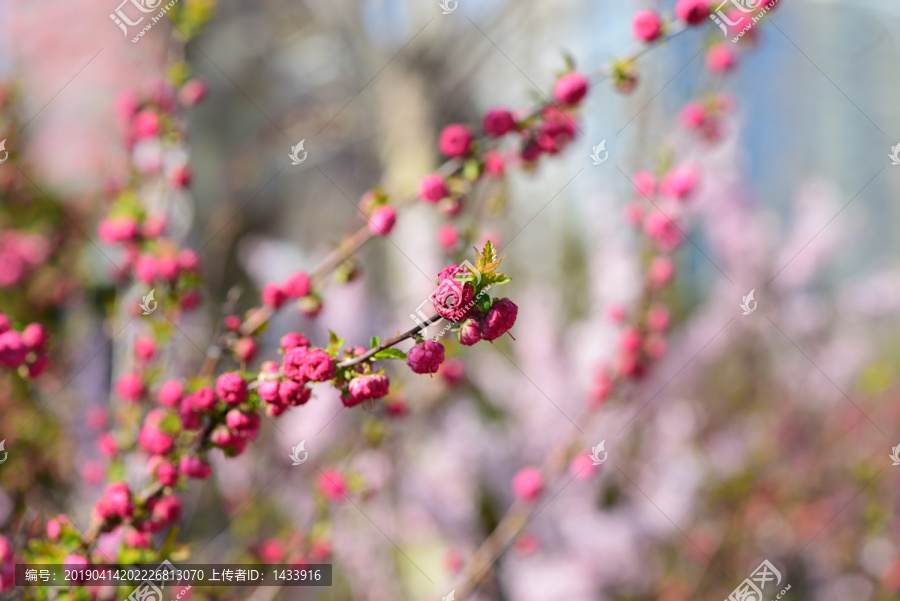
374	342
334	343
390	353
495	279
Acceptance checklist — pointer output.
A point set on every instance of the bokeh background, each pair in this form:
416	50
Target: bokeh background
764	436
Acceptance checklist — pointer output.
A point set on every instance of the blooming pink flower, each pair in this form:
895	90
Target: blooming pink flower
433	188
363	388
646	25
155	441
679	182
499	319
528	483
293	393
203	399
721	57
130	387
425	357
498	122
187	413
692	12
271	551
453	299
35	336
232	388
470	332
37	367
179	176
268	391
167	268
455	140
190	299
170	393
302	364
13	350
570	88
531	152
274	296
297	285
332	485
194	467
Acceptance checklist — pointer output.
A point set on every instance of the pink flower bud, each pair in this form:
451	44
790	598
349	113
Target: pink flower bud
170	393
145	348
245	349
494	164
680	182
363	388
721	57
453	371
188	260
167	474
658	317
302	365
13	350
570	88
660	271
645	183
499	319
268	391
692	12
293	340
118	495
293	393
447	237
194	467
107	444
693	115
146	124
130	387
155	441
35	336
470	332
137	540
203	399
297	285
232	323
145	268
582	466
332	485
646	25
166	511
498	123
382	221
53	530
432	188
630	340
456	140
193	91
274	296
528	483
232	388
